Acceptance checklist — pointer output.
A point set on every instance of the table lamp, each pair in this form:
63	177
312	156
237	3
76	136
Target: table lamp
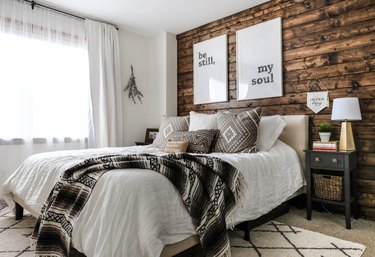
346	109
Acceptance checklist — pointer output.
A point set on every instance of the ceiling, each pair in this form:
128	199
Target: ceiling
149	17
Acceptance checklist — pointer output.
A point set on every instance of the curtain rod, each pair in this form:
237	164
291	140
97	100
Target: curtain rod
33	4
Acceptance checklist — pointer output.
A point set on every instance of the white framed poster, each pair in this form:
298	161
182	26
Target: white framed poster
259	61
210	71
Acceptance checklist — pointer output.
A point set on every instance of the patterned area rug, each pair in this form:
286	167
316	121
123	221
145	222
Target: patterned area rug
276	239
273	239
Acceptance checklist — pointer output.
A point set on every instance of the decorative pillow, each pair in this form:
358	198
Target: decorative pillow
202	121
169	125
200	141
270	128
238	132
176	147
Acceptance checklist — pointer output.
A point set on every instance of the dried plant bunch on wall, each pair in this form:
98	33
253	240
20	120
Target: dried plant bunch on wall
133	93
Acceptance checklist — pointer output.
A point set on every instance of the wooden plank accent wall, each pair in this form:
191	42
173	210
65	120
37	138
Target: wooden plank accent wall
332	40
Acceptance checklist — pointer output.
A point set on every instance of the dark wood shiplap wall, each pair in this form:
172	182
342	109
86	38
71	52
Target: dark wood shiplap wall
327	39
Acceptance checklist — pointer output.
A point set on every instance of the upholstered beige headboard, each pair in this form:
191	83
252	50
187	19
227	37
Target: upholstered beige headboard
296	134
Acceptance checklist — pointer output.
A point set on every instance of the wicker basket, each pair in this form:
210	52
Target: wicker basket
328	187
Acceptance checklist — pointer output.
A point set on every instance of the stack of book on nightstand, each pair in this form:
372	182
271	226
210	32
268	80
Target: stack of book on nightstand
326	146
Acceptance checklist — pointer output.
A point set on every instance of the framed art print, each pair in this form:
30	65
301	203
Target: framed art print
151	134
259	61
210	71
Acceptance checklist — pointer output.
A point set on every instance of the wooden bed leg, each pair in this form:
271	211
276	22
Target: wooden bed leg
19	211
247	235
246	226
247	231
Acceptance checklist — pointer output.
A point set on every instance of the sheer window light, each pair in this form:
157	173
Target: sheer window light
44	89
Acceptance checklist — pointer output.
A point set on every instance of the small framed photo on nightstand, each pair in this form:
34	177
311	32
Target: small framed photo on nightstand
151	134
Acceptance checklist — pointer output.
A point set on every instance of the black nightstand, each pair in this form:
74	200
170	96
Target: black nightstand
344	163
143	143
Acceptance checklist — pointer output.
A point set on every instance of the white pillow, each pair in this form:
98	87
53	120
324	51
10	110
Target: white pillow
270	128
200	121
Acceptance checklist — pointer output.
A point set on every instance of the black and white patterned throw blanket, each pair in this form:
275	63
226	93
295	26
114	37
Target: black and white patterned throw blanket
209	187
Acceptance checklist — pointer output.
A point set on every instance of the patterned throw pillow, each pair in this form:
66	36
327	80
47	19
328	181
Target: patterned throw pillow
167	127
200	141
238	132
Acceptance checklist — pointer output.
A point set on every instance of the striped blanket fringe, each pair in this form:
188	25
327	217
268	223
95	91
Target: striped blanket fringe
210	189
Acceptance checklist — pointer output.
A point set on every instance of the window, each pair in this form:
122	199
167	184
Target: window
44	89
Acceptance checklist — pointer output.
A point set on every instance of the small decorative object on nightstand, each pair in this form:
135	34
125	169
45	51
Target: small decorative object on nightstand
337	172
325	130
150	135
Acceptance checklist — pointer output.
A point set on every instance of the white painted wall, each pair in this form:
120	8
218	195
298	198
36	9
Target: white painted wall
154	60
135	50
171	75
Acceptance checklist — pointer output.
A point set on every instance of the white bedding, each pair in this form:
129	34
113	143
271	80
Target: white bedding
137	212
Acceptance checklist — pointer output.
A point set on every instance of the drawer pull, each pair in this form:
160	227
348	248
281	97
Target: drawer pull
334	160
317	159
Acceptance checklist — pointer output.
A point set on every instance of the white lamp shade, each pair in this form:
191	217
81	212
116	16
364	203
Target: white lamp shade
346	109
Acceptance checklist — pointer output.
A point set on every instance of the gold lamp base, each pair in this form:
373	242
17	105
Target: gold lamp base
346	137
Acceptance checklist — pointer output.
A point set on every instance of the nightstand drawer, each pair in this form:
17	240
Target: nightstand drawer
324	160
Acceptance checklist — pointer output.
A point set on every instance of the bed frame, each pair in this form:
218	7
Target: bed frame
295	135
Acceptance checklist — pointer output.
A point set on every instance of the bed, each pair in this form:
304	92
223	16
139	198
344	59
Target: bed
160	225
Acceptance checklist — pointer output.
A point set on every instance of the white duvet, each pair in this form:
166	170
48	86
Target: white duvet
135	212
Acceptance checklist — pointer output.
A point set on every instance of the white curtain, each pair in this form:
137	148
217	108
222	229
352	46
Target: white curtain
17	17
43	74
105	84
44	83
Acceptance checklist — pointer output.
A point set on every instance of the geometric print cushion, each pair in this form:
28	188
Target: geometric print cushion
238	132
167	127
199	141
